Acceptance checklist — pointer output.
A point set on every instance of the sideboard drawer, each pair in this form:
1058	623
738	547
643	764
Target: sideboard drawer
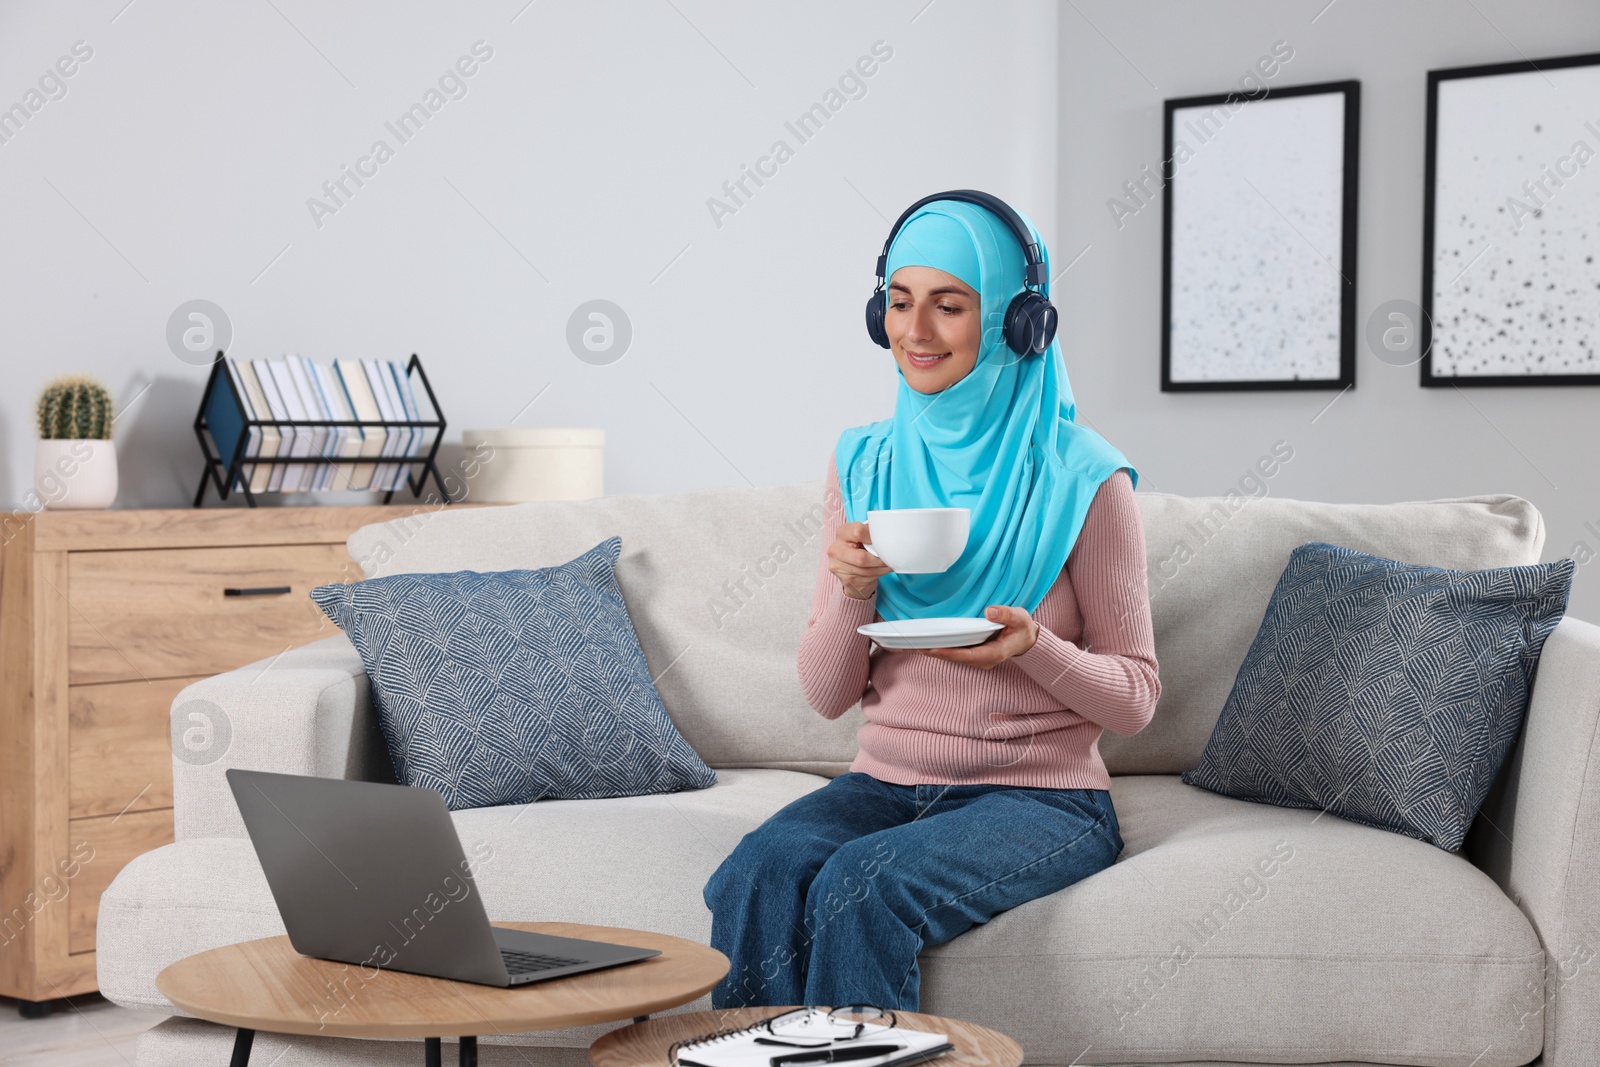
166	613
119	747
113	841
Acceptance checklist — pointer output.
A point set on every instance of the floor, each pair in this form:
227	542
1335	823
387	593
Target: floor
84	1031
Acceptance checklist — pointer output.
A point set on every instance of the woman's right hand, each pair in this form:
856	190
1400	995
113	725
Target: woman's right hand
858	570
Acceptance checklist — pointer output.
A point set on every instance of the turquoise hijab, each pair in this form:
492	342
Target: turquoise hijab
1001	441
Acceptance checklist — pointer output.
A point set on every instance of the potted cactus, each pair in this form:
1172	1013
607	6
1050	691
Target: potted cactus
74	462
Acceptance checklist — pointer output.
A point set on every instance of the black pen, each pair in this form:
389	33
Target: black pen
835	1055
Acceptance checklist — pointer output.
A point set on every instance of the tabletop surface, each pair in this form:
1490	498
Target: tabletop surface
645	1044
267	985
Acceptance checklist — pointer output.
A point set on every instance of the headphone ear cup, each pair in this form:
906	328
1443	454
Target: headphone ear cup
875	308
1030	323
1048	320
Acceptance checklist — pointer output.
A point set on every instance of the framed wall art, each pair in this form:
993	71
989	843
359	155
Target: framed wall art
1511	220
1258	239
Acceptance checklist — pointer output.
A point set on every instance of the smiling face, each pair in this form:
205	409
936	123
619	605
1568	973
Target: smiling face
934	323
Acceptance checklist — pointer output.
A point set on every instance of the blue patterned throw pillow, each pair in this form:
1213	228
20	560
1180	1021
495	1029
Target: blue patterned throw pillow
1386	693
513	686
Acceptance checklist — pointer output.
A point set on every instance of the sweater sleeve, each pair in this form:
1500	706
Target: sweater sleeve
835	661
1118	683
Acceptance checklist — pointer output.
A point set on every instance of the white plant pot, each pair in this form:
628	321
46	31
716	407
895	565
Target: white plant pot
75	473
511	466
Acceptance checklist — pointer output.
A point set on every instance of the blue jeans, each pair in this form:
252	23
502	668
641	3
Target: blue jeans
830	900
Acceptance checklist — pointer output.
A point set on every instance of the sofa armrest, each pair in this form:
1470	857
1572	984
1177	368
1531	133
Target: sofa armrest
1538	836
306	711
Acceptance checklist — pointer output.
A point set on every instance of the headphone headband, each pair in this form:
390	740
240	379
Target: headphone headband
1030	318
1035	276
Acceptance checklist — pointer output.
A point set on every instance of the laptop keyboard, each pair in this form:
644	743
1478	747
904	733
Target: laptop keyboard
531	962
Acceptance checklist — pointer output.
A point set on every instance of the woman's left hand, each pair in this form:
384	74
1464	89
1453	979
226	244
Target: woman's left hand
1020	632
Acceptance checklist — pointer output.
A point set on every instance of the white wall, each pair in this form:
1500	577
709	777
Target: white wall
1387	439
180	161
577	166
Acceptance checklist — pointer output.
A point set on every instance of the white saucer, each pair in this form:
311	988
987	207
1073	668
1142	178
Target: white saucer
930	633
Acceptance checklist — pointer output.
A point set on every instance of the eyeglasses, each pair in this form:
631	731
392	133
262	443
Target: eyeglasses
856	1018
798	1029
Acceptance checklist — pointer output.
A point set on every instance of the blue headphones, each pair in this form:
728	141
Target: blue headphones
1030	323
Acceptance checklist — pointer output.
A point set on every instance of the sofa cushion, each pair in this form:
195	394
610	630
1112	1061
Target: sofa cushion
1212	563
1387	693
507	687
1231	931
1228	931
717	581
637	861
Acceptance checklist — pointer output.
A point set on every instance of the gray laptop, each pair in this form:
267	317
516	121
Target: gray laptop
374	875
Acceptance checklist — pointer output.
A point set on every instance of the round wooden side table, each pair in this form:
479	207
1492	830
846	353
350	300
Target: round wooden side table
267	985
645	1044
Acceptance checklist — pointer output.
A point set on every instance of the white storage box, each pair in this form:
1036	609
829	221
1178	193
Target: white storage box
543	463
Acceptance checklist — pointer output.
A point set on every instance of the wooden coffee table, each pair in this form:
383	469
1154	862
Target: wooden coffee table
267	985
645	1044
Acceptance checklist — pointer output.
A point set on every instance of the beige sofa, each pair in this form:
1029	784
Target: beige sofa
1227	932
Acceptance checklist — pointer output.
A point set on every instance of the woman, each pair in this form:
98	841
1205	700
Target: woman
978	784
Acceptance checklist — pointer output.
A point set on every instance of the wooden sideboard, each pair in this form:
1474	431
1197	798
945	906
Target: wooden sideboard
104	617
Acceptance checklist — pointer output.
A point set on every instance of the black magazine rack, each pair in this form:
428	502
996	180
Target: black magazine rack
230	472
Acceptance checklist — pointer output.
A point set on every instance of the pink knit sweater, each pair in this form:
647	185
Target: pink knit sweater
1033	720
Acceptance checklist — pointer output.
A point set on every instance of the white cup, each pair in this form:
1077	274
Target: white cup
919	540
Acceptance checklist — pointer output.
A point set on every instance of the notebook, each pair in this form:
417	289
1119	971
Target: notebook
738	1048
